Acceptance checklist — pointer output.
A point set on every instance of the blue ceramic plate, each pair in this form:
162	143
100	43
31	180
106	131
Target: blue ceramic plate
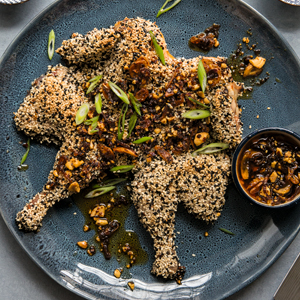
217	266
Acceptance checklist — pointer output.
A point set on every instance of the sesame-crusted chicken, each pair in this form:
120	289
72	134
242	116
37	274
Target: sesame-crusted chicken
199	182
165	171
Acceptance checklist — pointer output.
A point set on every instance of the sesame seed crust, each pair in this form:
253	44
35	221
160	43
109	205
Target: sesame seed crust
165	172
199	182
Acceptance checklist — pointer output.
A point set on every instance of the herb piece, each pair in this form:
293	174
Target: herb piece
143	140
211	148
99	191
132	122
226	231
136	104
98	103
94	81
119	92
109	182
196	114
159	51
122	118
51	44
199	103
163	9
82	113
122	169
92	121
202	75
24	157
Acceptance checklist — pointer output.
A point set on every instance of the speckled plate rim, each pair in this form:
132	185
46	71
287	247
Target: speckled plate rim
77	290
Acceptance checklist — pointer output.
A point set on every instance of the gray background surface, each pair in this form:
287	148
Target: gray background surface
21	278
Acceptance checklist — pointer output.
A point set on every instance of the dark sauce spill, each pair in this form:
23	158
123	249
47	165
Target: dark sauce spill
204	41
237	62
117	204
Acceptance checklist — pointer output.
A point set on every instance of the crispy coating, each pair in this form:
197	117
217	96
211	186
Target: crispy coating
124	54
199	182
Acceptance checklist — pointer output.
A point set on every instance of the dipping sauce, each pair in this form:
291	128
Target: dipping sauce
269	170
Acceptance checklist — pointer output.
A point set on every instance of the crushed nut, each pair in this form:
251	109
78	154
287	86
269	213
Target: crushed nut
201	138
82	244
102	222
74	187
131	285
117	273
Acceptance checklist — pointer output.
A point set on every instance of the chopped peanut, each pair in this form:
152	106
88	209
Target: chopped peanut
258	62
82	244
102	222
117	273
131	285
74	187
200	138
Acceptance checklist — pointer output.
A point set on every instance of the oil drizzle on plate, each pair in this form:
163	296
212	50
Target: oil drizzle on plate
122	241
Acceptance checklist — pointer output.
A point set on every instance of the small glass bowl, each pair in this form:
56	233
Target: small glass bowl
285	135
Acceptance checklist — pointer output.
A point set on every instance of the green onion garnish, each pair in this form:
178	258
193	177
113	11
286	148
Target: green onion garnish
119	92
122	169
98	103
132	122
94	81
202	75
159	51
196	114
91	121
199	103
226	231
163	9
82	113
51	44
135	103
142	140
94	123
109	182
122	118
100	191
26	153
211	148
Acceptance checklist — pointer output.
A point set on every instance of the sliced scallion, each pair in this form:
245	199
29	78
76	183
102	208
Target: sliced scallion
122	169
142	140
98	103
196	114
226	231
109	182
199	103
91	121
132	122
119	92
100	191
24	157
163	9
82	113
122	118
94	81
159	51
211	148
51	44
96	78
135	103
202	75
